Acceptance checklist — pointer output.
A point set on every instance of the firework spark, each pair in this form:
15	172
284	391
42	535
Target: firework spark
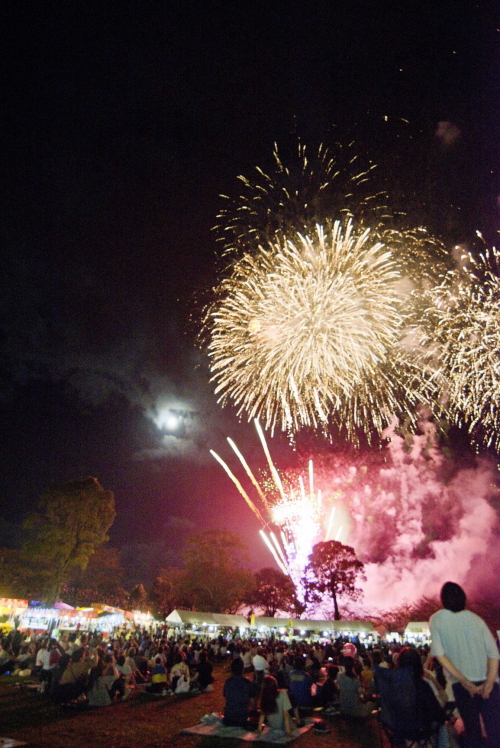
319	187
292	197
462	334
309	325
299	513
307	331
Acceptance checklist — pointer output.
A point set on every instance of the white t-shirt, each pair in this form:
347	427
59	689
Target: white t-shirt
43	659
247	659
466	640
260	663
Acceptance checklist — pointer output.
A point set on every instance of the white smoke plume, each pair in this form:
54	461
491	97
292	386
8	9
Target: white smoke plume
417	519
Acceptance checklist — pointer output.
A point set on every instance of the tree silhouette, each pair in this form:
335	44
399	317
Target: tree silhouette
71	521
273	591
333	570
216	575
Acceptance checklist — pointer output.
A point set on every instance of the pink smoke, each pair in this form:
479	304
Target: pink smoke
417	518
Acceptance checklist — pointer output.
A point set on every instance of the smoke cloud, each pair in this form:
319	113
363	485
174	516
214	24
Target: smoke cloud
417	518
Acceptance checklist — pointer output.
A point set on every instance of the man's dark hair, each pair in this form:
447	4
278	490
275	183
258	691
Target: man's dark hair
237	666
77	654
453	597
299	663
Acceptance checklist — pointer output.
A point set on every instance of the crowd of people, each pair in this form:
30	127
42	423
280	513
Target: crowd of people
273	682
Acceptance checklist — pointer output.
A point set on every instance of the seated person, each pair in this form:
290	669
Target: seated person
366	676
429	708
106	682
240	694
300	684
74	680
159	678
352	703
7	659
179	670
203	677
125	670
329	693
274	707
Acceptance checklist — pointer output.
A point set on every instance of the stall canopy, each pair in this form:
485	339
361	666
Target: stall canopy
198	618
417	629
231	619
340	627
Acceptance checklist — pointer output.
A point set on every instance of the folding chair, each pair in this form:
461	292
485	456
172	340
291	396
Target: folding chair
403	718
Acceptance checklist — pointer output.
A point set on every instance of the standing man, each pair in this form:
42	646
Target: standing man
465	647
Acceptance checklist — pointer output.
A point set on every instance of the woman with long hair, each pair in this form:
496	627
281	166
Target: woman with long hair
274	707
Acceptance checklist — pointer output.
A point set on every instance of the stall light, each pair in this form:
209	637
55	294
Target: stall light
302	633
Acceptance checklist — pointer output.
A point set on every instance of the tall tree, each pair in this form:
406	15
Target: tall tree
216	576
20	577
333	570
101	581
273	591
169	592
138	598
71	521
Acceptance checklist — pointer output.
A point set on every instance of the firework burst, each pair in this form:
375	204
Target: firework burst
309	327
294	196
306	332
318	187
462	342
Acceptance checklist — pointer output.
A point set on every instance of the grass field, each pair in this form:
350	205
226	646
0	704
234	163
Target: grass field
142	721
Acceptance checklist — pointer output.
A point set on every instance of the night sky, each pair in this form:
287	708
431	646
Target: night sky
122	124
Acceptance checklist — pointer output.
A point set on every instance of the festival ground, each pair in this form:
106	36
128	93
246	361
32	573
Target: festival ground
142	721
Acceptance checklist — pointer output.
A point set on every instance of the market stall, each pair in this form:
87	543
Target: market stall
417	632
206	623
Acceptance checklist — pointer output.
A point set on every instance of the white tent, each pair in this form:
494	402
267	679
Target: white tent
363	628
231	619
347	628
417	631
181	617
266	622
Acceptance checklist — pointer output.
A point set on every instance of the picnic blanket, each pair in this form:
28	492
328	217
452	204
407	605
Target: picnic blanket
212	726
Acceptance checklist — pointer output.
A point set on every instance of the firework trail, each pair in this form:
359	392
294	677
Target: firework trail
410	513
461	340
309	327
299	515
321	187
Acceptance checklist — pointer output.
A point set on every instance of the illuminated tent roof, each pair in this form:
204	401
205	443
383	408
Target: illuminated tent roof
362	627
228	619
265	622
198	618
418	628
